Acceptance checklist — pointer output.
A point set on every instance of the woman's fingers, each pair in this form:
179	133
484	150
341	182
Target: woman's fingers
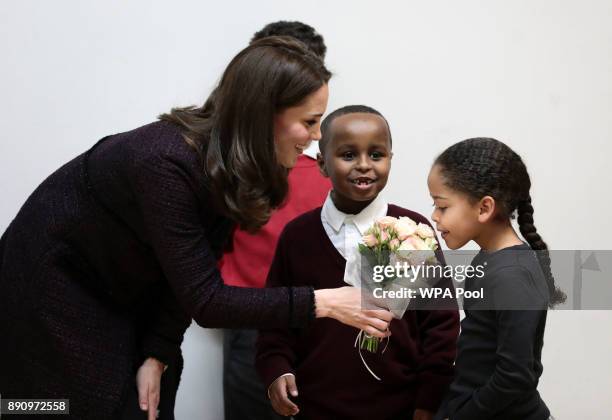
376	332
377	322
148	379
153	398
381	314
143	395
345	305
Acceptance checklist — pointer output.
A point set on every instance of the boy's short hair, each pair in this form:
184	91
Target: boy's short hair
298	30
349	109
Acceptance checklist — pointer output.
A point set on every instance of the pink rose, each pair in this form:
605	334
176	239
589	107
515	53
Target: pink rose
406	246
370	240
394	244
418	243
424	231
405	227
384	236
386	222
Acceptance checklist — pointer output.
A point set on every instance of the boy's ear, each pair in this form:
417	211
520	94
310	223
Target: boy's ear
321	163
486	209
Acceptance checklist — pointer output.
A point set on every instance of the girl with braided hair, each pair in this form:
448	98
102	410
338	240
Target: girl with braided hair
477	185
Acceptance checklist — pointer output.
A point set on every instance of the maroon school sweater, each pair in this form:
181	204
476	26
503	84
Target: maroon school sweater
332	382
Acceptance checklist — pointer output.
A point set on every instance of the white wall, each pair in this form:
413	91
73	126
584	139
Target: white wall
535	74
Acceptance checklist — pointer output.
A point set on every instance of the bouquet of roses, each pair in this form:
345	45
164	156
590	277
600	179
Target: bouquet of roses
387	242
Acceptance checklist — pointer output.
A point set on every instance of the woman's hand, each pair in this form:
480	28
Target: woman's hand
420	414
148	381
278	391
344	305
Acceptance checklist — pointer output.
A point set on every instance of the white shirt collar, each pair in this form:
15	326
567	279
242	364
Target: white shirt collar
312	150
363	220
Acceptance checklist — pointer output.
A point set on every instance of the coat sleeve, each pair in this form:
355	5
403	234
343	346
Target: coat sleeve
275	346
164	190
166	330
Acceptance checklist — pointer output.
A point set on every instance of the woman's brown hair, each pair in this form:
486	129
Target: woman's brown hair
235	136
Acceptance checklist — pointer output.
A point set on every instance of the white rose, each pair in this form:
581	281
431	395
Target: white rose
405	227
424	231
386	222
419	244
431	243
406	246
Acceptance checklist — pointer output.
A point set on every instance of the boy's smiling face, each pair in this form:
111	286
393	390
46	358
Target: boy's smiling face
357	159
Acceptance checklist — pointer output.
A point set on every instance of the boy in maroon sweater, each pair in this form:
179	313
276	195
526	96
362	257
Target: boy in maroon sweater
316	372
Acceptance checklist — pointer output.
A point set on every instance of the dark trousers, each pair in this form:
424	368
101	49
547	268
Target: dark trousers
245	396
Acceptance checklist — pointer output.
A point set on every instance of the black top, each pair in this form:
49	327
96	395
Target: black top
500	347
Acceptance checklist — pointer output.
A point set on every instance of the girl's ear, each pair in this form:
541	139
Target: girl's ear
486	209
321	163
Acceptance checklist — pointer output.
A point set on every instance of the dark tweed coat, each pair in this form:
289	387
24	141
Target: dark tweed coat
106	264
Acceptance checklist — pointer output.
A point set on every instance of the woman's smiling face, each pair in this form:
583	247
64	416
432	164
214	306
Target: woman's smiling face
295	127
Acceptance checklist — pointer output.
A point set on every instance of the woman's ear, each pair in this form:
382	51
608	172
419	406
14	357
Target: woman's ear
321	163
486	209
